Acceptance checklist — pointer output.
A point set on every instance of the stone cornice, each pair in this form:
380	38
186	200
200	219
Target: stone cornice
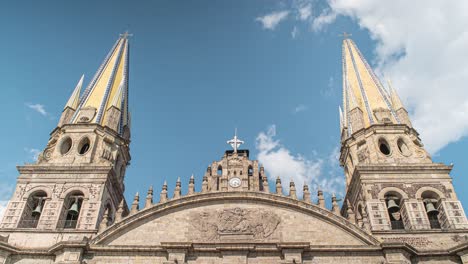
235	197
54	169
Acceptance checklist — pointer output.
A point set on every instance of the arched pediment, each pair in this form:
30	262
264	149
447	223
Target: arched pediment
233	216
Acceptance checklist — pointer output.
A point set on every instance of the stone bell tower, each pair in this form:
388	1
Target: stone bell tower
79	177
235	171
392	184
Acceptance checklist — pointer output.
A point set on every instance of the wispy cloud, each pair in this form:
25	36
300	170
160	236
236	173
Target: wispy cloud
294	32
38	108
271	20
299	108
34	153
304	11
278	160
325	18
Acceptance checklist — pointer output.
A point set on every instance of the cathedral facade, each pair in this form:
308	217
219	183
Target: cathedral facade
69	206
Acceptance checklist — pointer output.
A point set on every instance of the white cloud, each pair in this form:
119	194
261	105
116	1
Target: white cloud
294	32
271	20
3	205
305	11
421	47
33	152
299	108
325	18
280	161
38	108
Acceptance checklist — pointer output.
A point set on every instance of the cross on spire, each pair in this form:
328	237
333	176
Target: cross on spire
345	35
126	35
235	142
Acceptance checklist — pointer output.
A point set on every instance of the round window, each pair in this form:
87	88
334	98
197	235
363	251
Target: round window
65	146
384	147
403	148
84	146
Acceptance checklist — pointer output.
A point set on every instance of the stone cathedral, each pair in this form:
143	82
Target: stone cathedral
69	206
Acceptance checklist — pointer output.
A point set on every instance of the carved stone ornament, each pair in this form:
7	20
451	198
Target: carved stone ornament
234	223
382	115
45	155
363	155
86	114
460	238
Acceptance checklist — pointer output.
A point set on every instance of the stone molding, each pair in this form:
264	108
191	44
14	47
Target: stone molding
235	197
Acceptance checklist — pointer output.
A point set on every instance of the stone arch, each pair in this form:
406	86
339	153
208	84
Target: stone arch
421	190
384	191
39	188
84	190
145	216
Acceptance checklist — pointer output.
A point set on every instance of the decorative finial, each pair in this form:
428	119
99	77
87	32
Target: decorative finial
321	200
163	195
235	142
279	188
292	190
306	193
135	204
149	197
191	186
120	211
177	190
335	206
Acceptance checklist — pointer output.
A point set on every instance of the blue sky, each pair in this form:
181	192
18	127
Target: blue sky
199	69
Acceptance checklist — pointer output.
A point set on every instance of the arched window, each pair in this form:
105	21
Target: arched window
250	171
71	210
393	200
33	211
431	200
110	215
219	173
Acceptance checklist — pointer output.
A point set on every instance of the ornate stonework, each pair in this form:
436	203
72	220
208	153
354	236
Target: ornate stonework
234	223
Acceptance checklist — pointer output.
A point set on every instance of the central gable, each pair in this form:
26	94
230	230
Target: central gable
228	219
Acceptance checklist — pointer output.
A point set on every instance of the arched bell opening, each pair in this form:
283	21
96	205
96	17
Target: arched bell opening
33	210
219	173
431	200
393	201
71	210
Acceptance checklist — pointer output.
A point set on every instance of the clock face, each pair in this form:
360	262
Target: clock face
235	182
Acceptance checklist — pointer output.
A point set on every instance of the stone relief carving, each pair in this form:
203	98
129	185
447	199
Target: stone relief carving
363	155
258	224
460	238
45	155
382	115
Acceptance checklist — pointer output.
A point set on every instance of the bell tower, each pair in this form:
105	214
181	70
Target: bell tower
235	171
391	181
79	177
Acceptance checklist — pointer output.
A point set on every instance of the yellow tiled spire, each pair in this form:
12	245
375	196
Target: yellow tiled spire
109	85
362	88
75	96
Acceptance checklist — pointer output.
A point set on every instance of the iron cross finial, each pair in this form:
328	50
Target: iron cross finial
126	35
235	142
345	35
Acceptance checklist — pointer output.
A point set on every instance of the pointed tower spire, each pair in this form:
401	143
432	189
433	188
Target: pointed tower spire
398	106
363	90
109	87
72	104
75	96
